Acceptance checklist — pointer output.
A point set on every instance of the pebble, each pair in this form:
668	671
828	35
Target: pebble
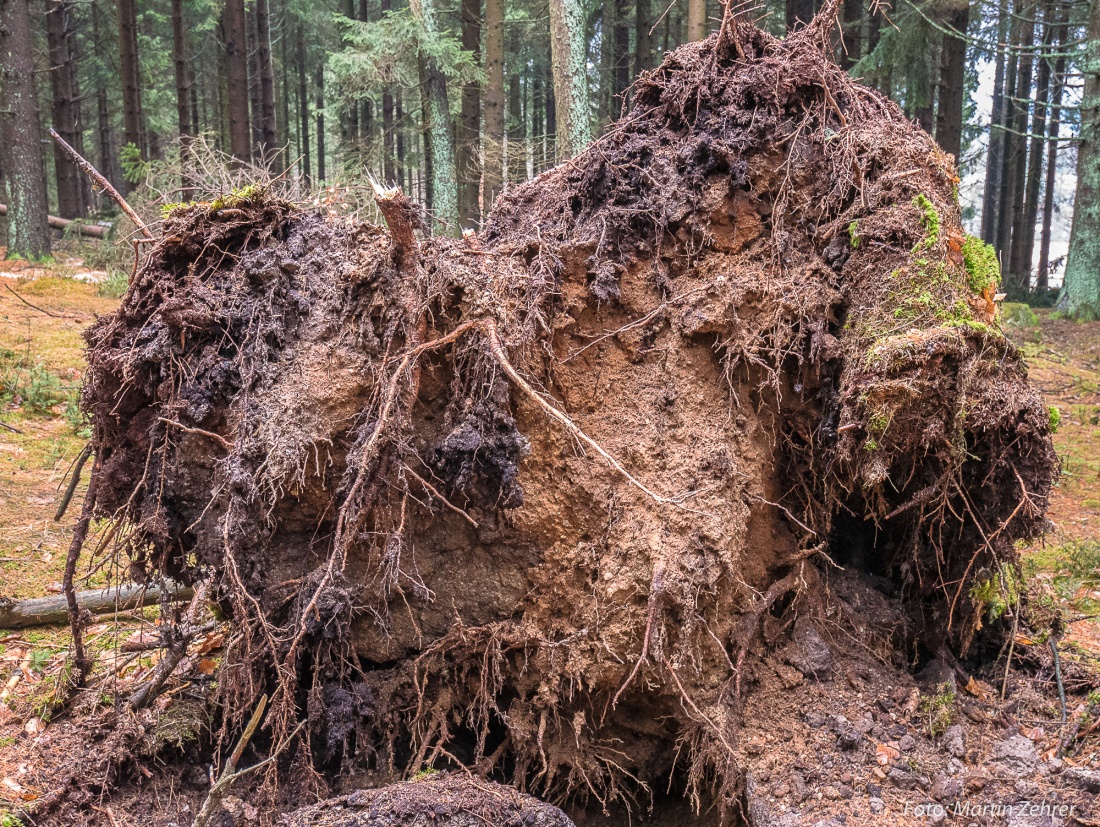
907	743
954	741
877	805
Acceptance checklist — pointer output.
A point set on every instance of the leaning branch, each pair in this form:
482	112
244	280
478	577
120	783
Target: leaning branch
101	182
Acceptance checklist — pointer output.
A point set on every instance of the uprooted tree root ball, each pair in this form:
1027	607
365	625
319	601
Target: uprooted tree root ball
536	501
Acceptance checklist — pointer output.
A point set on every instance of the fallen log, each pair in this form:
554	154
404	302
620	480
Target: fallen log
44	611
89	230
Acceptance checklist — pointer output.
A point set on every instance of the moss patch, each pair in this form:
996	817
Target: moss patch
980	259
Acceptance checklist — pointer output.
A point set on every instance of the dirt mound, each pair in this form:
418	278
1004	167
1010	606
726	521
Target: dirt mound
536	502
450	801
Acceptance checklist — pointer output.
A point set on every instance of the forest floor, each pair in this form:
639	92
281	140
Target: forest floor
43	311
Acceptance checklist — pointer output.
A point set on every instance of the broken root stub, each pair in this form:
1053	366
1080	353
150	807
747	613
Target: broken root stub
469	496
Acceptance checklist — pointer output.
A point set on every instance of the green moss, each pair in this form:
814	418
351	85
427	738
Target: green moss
929	220
1055	418
879	422
237	197
1018	314
980	260
853	235
870	446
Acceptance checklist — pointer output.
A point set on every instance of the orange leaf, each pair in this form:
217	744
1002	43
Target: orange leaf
207	666
884	754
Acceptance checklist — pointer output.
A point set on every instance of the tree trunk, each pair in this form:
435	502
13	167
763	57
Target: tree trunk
494	102
696	19
438	122
130	71
570	68
799	13
268	140
1082	284
236	54
850	41
303	108
1002	233
320	113
1026	247
620	57
551	122
1042	275
1016	162
643	40
467	155
72	200
995	151
949	119
183	82
517	130
388	171
28	230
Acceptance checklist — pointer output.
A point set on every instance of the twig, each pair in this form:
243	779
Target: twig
431	489
230	774
1058	675
1011	647
216	437
76	623
35	306
102	182
74	481
11	428
147	692
497	350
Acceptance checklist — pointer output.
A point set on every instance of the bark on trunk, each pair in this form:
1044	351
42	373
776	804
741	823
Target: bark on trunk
183	82
303	108
72	194
517	130
438	122
1026	251
467	155
1042	276
643	39
129	69
696	19
24	169
236	54
320	124
1082	286
494	102
995	151
268	140
850	41
570	68
45	611
388	169
620	56
1016	162
952	80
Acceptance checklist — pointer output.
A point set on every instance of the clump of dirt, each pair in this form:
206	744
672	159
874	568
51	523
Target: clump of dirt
534	502
447	801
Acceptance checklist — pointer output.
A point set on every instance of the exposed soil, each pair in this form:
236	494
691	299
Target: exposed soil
652	495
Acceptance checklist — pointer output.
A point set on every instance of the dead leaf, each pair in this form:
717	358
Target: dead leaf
212	641
207	666
5	713
1033	734
1021	640
978	689
884	754
34	726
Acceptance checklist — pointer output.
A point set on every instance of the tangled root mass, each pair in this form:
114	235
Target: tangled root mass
535	501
